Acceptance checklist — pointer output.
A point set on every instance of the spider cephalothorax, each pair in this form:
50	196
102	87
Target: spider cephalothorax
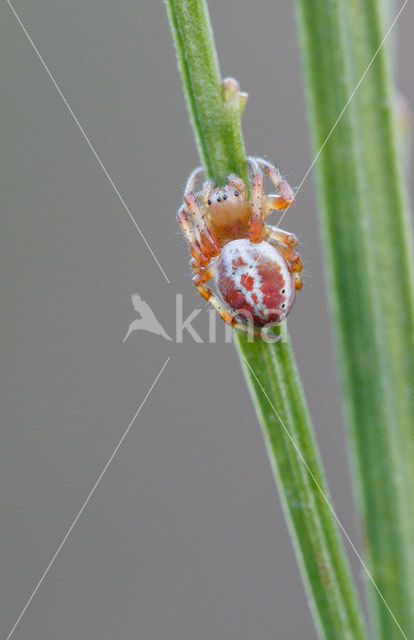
254	265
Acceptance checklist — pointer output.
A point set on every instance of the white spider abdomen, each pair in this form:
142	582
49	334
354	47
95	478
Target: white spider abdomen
255	281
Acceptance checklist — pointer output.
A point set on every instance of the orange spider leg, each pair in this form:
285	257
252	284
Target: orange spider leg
196	250
291	256
273	233
298	280
286	196
275	202
200	278
256	222
239	185
206	192
207	237
207	188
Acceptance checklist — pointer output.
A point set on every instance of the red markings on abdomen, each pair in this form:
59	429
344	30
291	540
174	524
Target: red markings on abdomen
255	281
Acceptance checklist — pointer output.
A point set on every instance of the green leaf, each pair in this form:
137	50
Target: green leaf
270	369
368	247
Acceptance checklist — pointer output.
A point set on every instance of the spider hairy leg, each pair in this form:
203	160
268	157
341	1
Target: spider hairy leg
201	275
208	237
275	202
196	250
284	243
290	255
206	293
207	240
273	233
239	185
298	281
208	187
286	196
256	222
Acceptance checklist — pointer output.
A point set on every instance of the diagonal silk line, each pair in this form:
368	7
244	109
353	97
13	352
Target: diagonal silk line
86	501
341	526
92	148
344	109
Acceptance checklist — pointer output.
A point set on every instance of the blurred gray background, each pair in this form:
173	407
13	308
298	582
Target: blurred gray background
184	538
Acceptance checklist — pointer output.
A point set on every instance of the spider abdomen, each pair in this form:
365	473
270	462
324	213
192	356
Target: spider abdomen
255	281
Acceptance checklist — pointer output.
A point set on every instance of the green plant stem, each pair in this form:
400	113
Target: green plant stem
368	256
270	369
220	144
277	393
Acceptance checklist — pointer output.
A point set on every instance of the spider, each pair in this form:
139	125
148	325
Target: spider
254	265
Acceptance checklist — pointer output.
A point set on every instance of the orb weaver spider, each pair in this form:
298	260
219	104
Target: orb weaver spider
254	265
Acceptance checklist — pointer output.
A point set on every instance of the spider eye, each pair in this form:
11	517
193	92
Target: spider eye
224	197
209	201
236	193
219	199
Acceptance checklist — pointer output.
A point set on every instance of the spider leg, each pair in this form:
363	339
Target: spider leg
275	202
286	195
208	187
290	255
273	233
200	278
207	237
239	185
256	222
197	251
298	281
192	179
